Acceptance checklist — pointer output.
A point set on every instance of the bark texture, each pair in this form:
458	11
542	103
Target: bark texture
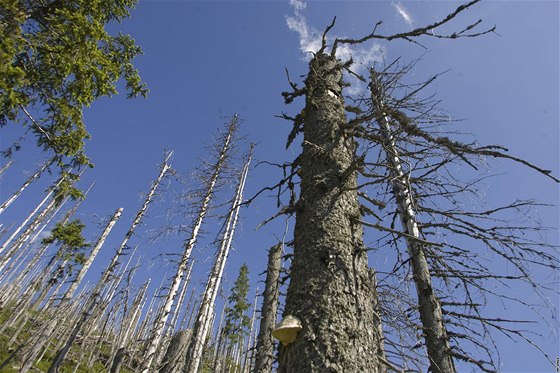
330	289
265	344
174	358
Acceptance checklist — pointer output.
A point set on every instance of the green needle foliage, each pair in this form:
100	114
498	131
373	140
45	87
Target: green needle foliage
56	58
237	322
71	240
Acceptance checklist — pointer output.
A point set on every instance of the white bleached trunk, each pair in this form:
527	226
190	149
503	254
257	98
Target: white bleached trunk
188	247
202	324
94	300
247	362
6	244
6	166
16	194
80	276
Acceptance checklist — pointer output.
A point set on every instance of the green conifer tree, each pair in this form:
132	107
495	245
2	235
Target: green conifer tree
237	321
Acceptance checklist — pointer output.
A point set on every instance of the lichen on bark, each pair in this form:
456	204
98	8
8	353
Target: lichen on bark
331	290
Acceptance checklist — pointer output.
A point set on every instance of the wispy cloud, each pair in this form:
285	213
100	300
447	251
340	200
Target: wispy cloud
42	235
309	38
405	14
310	41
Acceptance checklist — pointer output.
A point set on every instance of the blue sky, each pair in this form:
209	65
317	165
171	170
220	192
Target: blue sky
204	61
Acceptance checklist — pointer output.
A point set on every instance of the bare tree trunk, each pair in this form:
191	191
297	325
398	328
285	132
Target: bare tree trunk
115	260
95	298
202	325
6	166
4	258
53	298
170	328
188	247
177	311
14	196
40	252
247	361
330	289
265	342
80	276
174	359
46	286
429	305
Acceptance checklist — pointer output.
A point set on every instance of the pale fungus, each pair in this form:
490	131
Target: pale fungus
287	330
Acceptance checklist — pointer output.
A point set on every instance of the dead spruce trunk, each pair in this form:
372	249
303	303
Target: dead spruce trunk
330	289
249	350
265	343
429	306
6	166
157	331
95	299
16	194
174	359
5	257
80	276
203	322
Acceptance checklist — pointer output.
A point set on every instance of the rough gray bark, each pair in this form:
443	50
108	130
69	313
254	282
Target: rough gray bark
265	343
429	306
330	289
118	360
174	359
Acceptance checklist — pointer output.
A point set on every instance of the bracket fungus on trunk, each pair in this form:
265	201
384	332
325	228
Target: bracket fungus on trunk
287	330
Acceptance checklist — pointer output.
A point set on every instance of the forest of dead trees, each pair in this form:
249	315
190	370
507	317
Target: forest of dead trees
383	161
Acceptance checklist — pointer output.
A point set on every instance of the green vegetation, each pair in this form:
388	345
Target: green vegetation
237	322
56	58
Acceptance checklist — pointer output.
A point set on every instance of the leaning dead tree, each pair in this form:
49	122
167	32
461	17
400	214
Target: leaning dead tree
429	305
95	298
206	311
202	209
8	243
445	243
6	166
92	255
332	291
17	193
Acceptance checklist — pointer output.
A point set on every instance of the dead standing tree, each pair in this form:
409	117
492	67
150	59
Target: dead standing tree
418	162
203	206
265	344
331	289
95	298
206	311
16	194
